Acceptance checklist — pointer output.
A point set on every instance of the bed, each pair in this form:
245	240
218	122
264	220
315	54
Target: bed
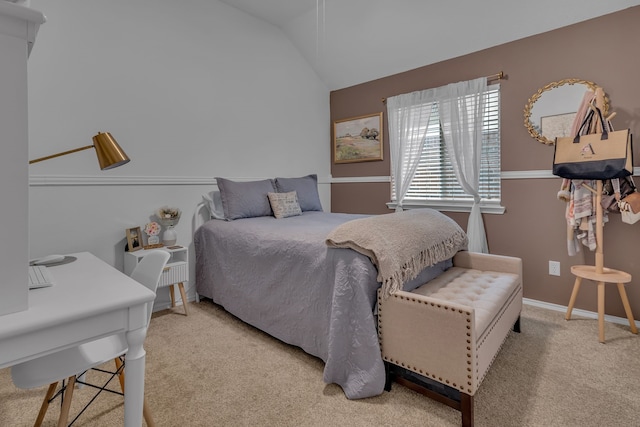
278	273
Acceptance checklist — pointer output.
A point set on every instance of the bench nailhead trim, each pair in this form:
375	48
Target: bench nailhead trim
470	362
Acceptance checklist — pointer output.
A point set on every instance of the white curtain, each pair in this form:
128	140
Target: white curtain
408	116
461	115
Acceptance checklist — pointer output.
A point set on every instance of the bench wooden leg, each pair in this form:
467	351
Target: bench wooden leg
423	385
466	407
388	376
516	326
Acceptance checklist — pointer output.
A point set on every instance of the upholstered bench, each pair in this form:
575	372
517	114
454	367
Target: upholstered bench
442	337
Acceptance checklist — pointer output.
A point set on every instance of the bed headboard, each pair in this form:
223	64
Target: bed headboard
201	215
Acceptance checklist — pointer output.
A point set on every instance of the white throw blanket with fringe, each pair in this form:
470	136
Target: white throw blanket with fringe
401	244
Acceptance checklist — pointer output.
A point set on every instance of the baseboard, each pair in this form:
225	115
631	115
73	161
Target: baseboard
164	305
528	301
577	312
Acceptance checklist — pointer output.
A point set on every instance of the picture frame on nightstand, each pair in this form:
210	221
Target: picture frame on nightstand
134	239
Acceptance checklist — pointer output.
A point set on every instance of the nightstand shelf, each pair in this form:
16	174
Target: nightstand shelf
175	273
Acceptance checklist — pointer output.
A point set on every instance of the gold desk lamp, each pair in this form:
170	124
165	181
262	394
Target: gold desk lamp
109	153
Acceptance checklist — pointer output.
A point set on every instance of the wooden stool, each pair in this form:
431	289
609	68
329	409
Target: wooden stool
608	275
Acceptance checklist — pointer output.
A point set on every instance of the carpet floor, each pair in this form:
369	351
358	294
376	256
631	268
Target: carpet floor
210	369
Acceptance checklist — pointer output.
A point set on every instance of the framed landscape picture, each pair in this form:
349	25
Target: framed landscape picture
358	139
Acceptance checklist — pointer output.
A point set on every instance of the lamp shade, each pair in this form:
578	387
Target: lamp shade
110	155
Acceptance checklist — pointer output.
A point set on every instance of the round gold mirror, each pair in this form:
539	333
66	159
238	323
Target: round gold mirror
550	111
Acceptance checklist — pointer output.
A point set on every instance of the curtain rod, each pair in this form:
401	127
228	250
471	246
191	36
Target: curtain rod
492	77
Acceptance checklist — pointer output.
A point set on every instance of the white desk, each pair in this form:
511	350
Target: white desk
90	300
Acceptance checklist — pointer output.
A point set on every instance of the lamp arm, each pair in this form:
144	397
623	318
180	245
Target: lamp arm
60	154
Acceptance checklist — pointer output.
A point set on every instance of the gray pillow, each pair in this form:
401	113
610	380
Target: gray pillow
245	199
307	189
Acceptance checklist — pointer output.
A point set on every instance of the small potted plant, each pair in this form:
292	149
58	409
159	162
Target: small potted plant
152	230
169	217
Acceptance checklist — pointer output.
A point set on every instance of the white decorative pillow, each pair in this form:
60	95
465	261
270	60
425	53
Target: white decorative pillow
284	204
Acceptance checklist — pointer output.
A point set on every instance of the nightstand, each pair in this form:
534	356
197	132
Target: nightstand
175	273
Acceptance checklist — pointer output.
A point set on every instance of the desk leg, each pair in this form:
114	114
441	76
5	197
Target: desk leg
134	378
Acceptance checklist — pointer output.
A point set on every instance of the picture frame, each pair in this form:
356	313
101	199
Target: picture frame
557	125
134	239
358	139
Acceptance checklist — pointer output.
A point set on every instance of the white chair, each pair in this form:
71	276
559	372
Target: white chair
74	361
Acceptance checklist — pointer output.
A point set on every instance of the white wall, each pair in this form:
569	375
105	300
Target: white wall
17	30
362	40
191	90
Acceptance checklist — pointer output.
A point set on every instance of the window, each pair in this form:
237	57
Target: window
435	184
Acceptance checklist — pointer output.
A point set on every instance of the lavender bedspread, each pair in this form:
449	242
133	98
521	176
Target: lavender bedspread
279	276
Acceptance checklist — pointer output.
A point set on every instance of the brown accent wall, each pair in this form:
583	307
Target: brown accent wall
602	50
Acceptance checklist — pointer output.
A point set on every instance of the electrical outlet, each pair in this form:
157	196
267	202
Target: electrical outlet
554	268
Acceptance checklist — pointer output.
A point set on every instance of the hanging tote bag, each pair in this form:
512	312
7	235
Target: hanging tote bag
615	190
630	208
602	156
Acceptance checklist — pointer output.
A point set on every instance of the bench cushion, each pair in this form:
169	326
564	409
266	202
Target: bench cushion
486	291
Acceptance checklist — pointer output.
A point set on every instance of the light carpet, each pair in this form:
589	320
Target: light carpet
210	369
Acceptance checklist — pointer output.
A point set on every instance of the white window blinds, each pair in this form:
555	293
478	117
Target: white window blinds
435	179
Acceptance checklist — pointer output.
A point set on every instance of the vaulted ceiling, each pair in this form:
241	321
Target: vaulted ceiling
349	42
